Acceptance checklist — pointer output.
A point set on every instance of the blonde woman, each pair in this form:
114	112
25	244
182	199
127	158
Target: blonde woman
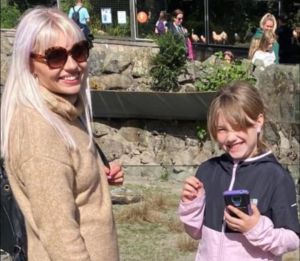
267	23
54	170
264	52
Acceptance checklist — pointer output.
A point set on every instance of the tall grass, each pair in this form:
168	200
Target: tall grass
187	244
137	213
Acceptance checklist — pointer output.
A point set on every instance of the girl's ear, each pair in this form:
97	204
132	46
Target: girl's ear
260	122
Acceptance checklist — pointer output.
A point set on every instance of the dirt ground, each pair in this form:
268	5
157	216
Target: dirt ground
162	238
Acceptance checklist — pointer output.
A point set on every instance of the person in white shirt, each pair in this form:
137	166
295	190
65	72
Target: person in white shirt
263	51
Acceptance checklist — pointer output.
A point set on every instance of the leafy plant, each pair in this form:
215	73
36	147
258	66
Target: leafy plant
119	30
201	127
9	15
169	63
294	20
213	76
95	25
165	175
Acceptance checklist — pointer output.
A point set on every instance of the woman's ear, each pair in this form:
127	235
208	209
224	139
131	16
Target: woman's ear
31	66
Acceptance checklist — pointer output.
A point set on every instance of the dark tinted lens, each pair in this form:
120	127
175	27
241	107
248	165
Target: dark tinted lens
56	58
80	52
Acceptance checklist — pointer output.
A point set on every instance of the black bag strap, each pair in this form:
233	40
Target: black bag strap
103	157
78	9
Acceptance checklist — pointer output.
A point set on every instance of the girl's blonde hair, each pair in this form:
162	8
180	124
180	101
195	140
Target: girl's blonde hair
37	31
240	104
266	18
163	15
265	39
253	47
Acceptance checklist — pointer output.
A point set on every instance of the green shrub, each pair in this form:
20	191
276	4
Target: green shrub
9	15
95	25
212	76
119	30
169	63
202	133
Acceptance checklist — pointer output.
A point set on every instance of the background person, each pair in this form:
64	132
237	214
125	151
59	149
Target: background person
235	120
284	38
228	56
84	17
267	22
54	169
176	27
264	51
161	24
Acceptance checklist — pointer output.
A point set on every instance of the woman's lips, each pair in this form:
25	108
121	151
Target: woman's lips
70	79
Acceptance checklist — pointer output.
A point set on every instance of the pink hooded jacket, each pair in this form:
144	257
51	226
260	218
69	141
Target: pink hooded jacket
275	192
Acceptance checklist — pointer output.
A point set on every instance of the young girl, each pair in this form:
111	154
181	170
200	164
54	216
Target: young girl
263	51
236	119
161	24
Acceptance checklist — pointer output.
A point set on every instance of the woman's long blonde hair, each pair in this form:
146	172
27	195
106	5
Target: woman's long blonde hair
38	29
240	104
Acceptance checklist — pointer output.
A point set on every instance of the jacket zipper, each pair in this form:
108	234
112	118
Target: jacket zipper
224	223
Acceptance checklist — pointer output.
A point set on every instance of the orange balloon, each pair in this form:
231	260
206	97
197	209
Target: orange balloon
142	17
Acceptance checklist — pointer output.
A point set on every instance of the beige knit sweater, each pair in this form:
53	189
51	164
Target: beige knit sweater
64	196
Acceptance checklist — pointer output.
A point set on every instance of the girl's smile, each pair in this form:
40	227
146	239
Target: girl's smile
235	146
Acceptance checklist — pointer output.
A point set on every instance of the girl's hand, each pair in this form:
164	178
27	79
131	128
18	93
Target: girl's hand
115	175
245	222
192	189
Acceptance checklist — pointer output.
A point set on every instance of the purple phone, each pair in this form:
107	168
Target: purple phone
239	199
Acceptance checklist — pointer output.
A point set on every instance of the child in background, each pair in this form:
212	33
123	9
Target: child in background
161	24
236	119
228	57
253	47
263	51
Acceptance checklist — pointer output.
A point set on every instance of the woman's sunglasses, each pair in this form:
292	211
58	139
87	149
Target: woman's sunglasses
56	56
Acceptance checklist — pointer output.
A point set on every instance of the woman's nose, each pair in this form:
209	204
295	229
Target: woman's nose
70	63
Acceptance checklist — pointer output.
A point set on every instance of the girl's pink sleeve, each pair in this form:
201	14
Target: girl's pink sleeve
276	240
191	215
